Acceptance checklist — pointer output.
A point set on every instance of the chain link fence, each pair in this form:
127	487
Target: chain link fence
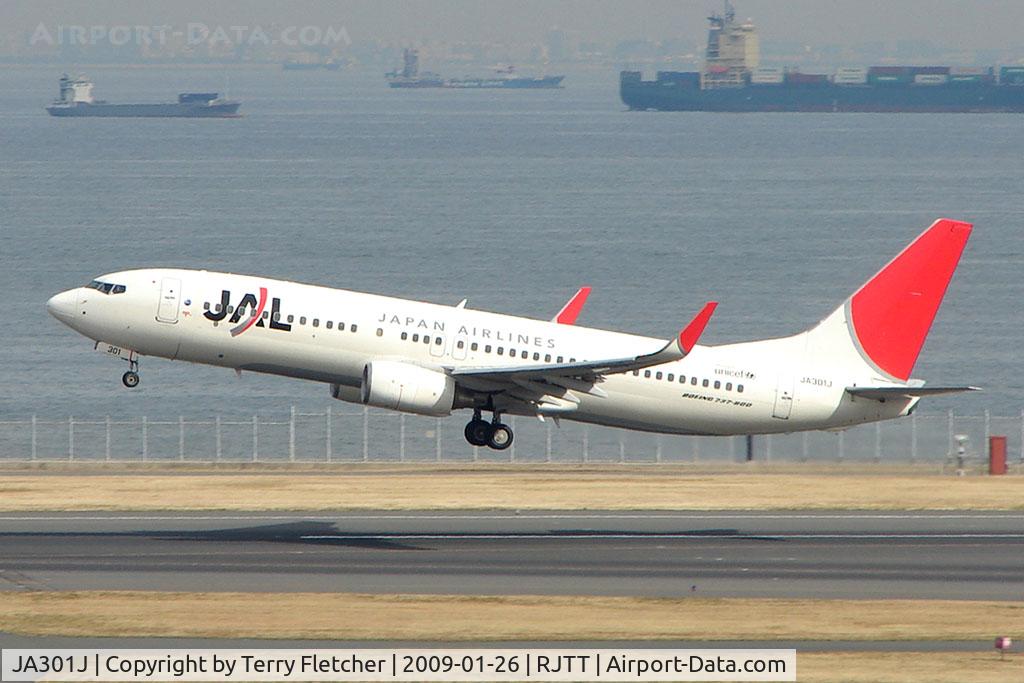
370	435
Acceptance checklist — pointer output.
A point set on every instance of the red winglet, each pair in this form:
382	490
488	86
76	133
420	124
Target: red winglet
691	333
571	310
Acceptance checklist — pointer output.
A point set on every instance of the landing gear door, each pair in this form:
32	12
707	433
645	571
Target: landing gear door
783	397
170	291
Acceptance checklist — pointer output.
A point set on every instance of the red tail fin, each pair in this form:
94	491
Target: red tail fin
894	310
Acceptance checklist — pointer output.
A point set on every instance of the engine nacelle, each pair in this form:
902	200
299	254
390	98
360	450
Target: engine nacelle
407	388
343	392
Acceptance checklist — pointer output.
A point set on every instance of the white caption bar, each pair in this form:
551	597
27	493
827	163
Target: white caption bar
436	664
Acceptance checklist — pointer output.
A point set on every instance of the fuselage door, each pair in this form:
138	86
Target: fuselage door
437	343
783	397
170	298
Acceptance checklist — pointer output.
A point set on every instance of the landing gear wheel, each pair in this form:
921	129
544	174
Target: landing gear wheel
478	432
501	437
130	379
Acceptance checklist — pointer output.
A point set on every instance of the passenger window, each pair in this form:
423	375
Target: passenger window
487	348
291	318
559	359
415	337
728	386
682	379
316	323
501	350
739	388
231	309
474	346
461	344
353	327
658	376
547	357
426	339
266	315
437	341
330	324
524	354
341	327
671	377
718	385
302	320
647	373
405	335
512	353
206	305
380	332
693	381
277	316
536	356
572	360
636	373
704	384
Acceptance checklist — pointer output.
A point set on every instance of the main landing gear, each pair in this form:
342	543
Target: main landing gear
131	378
492	434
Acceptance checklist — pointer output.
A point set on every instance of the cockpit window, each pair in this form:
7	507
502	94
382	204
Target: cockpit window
106	287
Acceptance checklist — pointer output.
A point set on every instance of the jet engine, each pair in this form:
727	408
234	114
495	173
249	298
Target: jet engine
407	388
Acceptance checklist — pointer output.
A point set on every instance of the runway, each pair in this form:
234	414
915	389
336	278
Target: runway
728	554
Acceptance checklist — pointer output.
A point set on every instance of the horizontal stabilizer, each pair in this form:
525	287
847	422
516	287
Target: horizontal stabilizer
880	393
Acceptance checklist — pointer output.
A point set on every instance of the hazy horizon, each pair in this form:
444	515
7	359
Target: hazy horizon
958	25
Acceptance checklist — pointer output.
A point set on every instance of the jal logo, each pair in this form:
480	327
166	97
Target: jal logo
241	320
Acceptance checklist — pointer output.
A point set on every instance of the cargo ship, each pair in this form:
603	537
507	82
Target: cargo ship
76	100
732	80
505	77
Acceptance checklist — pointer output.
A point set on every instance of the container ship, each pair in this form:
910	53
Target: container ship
76	100
505	77
733	80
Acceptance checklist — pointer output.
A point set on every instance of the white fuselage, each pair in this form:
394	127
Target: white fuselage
329	335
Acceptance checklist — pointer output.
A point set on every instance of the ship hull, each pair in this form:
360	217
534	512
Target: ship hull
981	98
546	82
168	110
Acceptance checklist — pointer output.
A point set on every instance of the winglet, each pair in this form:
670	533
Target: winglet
572	308
689	335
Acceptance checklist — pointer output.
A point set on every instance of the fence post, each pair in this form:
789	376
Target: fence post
35	437
145	438
181	438
949	429
512	448
547	445
366	433
913	438
71	438
586	444
216	423
878	442
107	451
330	439
988	426
255	438
291	435
437	440
401	437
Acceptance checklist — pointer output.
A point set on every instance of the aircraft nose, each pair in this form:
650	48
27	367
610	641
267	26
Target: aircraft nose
63	306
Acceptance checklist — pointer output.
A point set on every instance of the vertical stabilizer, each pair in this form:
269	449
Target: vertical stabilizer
888	318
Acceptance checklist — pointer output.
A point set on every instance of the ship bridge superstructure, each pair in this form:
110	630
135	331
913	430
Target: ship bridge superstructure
733	51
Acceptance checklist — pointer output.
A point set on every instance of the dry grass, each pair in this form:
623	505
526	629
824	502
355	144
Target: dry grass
476	618
496	487
908	667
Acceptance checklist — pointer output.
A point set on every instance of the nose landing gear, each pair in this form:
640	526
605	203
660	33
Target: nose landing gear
131	378
492	434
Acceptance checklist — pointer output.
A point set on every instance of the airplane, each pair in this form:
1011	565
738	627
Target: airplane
851	368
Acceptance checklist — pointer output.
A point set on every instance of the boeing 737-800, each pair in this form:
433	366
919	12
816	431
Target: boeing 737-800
851	368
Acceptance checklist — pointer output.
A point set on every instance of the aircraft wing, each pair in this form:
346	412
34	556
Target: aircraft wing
590	370
882	393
